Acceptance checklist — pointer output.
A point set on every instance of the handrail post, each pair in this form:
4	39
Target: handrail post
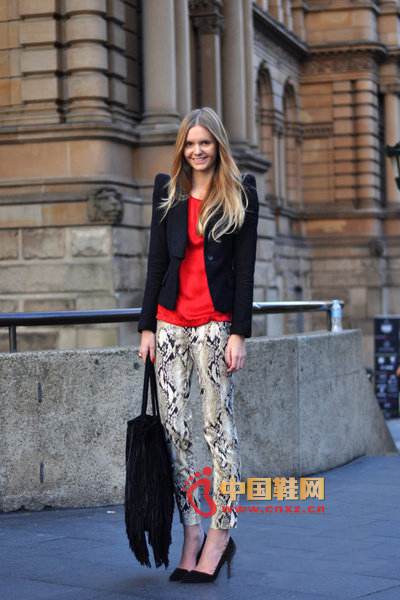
329	320
12	336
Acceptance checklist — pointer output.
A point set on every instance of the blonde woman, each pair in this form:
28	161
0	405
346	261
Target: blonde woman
197	310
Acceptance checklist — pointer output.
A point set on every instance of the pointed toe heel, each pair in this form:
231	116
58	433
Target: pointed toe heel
200	577
178	573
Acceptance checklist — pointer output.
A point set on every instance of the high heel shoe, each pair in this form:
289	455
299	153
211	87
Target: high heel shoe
200	577
178	573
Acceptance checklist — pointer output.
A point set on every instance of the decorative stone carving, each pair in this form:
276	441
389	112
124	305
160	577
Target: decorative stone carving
376	247
390	88
105	206
207	16
317	130
341	61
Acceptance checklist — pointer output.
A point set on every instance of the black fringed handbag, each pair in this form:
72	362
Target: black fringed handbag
149	499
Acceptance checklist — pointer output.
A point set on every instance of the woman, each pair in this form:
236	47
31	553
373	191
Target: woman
197	309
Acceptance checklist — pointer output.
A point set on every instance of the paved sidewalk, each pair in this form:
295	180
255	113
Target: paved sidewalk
350	552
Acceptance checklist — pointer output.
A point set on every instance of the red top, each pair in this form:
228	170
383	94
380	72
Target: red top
194	306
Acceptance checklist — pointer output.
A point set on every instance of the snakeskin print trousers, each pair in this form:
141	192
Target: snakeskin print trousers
177	350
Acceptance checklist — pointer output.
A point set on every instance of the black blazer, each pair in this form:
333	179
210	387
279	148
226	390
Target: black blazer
229	262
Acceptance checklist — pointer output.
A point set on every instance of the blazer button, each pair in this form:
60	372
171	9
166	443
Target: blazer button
210	257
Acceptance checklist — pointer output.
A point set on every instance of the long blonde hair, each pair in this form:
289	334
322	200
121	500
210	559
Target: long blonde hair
223	199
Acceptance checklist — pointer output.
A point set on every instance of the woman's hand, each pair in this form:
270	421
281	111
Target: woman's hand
235	353
147	345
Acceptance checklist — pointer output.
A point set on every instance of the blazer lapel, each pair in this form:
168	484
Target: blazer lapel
178	220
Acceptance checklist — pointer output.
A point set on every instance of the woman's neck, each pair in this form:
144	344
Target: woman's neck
200	185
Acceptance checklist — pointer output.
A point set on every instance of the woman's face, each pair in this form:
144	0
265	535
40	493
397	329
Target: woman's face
200	150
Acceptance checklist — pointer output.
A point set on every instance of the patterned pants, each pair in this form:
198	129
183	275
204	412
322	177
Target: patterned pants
178	349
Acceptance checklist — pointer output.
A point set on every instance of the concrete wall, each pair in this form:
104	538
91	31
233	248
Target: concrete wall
303	404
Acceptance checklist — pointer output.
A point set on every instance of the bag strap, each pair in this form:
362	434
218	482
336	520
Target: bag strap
150	375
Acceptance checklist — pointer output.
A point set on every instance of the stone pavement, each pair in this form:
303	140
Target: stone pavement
352	551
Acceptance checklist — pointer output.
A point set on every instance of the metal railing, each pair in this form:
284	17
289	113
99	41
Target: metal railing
120	315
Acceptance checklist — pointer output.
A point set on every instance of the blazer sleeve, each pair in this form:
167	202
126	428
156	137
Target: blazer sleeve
158	258
244	259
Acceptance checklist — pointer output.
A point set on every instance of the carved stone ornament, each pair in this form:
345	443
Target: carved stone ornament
390	88
105	206
339	62
376	247
206	16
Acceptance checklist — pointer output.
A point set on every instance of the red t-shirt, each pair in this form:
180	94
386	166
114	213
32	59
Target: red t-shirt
194	306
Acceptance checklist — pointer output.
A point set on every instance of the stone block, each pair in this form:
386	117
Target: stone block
274	369
266	227
43	243
91	28
83	85
38	60
20	215
8	306
4	64
46	304
97	302
132	52
3	11
374	301
85	6
97	337
117	64
38	31
44	339
97	157
90	241
39	88
393	300
265	250
292	418
37	8
116	10
118	91
9	244
68	338
86	56
116	36
64	214
4	93
131	19
128	273
78	277
127	242
261	274
39	160
4	36
13	35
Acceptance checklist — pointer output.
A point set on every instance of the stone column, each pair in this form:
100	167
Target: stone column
120	42
86	61
40	91
392	132
207	20
282	167
159	62
288	18
250	74
298	15
365	119
276	9
183	87
234	73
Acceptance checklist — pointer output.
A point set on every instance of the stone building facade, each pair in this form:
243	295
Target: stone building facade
91	96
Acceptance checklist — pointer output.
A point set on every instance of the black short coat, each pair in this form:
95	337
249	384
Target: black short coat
229	262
